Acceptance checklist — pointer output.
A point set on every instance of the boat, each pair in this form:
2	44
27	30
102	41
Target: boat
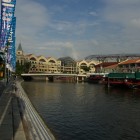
95	78
129	80
134	82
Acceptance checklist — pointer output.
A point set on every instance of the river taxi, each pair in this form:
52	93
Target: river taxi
95	78
131	80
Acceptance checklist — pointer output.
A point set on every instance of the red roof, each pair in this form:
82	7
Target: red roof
105	64
130	61
112	66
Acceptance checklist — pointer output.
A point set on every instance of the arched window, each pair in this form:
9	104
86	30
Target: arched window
32	58
51	61
83	65
42	60
92	65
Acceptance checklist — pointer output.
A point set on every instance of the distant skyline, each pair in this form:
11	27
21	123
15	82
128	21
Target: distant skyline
78	28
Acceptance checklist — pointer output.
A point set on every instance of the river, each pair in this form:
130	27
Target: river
83	111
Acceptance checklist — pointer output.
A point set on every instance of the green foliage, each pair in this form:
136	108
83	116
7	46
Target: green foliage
19	69
26	67
22	68
85	68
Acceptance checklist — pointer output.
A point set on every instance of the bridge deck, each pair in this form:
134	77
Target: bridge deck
52	74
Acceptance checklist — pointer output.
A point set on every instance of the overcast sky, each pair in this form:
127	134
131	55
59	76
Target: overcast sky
78	28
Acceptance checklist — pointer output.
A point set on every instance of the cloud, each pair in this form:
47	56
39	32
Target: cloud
93	13
31	14
122	2
75	49
58	29
62	48
120	26
124	12
32	18
135	22
36	25
71	28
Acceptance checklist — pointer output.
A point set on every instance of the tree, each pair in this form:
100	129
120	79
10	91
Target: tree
19	69
22	68
85	68
27	66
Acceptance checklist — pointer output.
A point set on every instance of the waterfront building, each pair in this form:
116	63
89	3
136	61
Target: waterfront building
111	68
131	65
68	65
41	64
83	64
104	67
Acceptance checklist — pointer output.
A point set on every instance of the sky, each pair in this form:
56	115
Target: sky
78	28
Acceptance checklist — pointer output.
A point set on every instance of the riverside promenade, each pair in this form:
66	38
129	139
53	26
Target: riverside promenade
18	118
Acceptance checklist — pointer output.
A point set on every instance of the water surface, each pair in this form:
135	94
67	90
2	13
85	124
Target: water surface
82	111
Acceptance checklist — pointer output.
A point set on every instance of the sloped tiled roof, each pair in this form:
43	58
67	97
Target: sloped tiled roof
112	66
130	61
106	64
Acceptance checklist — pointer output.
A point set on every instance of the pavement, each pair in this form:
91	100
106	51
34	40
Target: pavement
18	118
11	127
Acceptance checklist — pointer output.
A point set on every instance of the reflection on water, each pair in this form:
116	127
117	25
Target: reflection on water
82	111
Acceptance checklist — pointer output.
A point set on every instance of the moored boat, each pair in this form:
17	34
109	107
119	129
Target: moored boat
135	82
95	78
131	80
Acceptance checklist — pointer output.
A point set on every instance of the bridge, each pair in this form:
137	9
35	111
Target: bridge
51	76
117	57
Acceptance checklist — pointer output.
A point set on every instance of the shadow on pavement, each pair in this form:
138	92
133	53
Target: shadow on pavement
11	114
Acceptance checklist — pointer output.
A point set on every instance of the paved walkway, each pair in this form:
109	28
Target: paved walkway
18	118
11	127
